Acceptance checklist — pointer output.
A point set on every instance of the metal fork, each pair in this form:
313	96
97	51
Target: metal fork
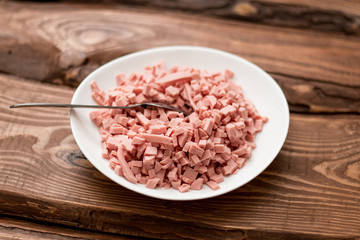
60	105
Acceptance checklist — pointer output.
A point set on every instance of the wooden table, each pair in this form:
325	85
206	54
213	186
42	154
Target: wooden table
311	48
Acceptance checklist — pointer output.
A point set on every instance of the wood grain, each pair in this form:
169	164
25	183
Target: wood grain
335	15
62	43
19	229
310	191
350	7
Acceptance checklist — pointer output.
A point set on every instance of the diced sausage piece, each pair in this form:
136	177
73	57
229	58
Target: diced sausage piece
219	148
174	122
118	170
125	167
172	114
157	167
173	78
140	150
158	129
176	184
180	154
209	144
198	97
213	185
220	133
181	141
200	169
147	113
154	114
231	131
230	167
241	150
172	91
217	118
184	187
132	97
178	131
202	133
127	145
228	73
206	155
94	114
188	91
208	126
121	120
195	149
210	171
202	144
150	151
156	138
112	143
135	164
138	140
218	178
172	175
135	128
258	125
175	141
197	184
190	174
122	101
166	160
107	122
148	160
120	79
135	171
239	125
114	161
104	151
203	176
142	119
161	175
218	158
163	116
193	117
152	182
117	129
240	162
195	159
173	69
229	109
212	101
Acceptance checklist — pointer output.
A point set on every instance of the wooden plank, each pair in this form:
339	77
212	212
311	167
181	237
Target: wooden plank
335	15
310	95
78	38
348	7
311	190
20	229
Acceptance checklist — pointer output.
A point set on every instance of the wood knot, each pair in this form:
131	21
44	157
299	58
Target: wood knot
71	58
244	9
75	158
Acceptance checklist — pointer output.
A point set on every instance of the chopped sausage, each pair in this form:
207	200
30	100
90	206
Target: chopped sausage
162	148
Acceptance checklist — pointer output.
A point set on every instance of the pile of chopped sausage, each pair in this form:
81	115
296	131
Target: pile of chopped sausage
162	148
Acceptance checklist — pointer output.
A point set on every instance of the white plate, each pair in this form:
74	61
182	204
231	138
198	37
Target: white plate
257	85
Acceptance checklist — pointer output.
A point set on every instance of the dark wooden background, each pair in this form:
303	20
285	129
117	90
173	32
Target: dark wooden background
48	190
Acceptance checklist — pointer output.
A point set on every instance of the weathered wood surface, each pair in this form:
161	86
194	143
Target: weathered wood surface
311	190
62	43
11	229
334	15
